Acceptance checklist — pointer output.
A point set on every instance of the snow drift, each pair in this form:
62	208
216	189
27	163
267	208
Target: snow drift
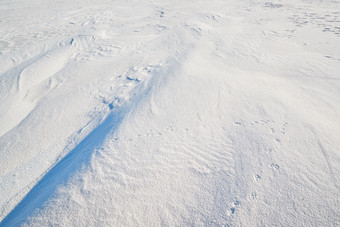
137	113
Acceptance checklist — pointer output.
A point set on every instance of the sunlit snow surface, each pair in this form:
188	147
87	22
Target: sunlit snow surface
170	113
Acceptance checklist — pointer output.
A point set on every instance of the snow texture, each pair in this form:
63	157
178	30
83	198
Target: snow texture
170	113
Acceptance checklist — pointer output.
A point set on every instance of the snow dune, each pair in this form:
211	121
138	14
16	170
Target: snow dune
152	113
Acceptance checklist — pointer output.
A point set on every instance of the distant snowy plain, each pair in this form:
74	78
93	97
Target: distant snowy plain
170	113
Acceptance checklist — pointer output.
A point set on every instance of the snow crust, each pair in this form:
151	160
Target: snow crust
170	113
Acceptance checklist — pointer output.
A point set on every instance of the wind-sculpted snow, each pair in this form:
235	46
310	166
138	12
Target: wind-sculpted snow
175	113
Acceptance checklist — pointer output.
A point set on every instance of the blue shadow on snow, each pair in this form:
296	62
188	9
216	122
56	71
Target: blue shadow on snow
63	170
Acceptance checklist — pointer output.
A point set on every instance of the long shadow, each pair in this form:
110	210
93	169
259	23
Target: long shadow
63	170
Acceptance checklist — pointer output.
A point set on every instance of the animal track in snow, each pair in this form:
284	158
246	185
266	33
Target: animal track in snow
274	166
257	177
112	104
138	74
170	128
233	207
253	195
327	20
272	5
119	91
273	127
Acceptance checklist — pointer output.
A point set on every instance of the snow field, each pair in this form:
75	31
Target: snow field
171	113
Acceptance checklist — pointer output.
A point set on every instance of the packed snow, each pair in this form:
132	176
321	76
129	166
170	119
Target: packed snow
170	113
